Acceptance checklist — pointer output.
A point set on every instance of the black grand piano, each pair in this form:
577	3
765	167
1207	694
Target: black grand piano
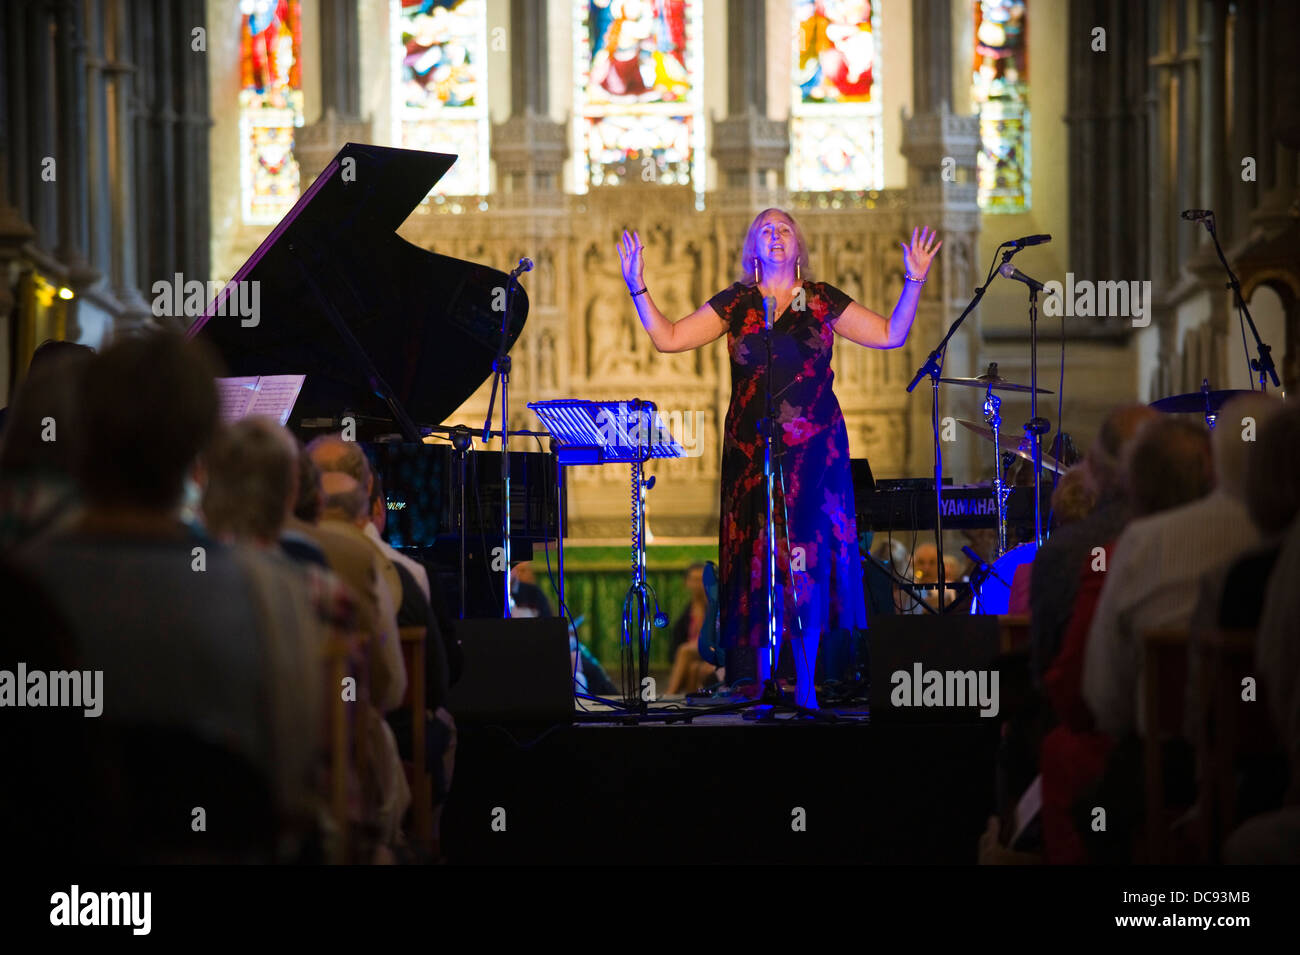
394	338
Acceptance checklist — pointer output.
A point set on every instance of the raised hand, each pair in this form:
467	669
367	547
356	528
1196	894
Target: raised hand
918	254
630	255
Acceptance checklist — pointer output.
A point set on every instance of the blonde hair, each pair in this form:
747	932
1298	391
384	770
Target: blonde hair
1074	497
749	249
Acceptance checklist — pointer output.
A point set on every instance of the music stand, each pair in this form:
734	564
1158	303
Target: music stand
615	432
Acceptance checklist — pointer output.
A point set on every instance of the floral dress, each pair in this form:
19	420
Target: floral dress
814	493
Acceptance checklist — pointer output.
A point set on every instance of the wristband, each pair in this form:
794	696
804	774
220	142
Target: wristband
641	292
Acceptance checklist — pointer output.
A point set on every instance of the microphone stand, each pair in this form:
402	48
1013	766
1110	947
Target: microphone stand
933	366
771	697
501	376
1263	365
769	309
462	439
1036	427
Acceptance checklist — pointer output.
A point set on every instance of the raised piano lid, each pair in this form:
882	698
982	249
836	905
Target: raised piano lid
424	321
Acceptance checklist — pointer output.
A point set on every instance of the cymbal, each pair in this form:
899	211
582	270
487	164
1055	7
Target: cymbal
1197	402
996	382
984	431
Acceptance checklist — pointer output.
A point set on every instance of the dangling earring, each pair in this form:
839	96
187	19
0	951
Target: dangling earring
755	270
798	271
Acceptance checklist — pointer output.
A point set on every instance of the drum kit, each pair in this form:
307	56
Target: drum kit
1204	402
991	583
991	382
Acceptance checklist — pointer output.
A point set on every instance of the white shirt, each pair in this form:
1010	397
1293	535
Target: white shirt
417	569
1153	581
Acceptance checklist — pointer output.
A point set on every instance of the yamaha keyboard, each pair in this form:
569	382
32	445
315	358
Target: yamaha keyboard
909	506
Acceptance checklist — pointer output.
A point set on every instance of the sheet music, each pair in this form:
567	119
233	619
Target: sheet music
269	395
235	394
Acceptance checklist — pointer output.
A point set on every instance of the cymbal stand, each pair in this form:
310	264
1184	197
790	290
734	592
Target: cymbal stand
933	366
1001	491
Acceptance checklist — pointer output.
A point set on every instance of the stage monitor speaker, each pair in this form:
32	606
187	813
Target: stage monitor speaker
934	669
516	671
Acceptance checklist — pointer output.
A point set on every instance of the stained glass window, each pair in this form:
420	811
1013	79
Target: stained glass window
637	94
270	107
1001	94
835	116
440	87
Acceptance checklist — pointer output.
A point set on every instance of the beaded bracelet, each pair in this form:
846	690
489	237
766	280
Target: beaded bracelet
912	278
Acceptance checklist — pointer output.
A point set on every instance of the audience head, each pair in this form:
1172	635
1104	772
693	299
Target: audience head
1074	496
1169	464
343	498
47	399
148	408
695	582
252	480
1234	436
50	349
331	453
1105	458
925	565
308	505
1273	472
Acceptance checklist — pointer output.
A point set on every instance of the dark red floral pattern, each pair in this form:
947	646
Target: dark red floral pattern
819	577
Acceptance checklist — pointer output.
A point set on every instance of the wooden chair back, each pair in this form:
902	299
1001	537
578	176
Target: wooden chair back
421	782
1230	727
337	658
1164	694
1013	631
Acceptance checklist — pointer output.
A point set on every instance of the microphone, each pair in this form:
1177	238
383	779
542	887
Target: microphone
1196	215
769	312
525	265
1029	240
1009	271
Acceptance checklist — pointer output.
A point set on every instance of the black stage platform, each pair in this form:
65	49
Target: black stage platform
721	790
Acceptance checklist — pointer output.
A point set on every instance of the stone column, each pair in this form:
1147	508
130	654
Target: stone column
1244	132
749	147
193	244
121	158
43	142
943	191
70	67
529	148
15	231
168	112
1280	114
1106	120
340	119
